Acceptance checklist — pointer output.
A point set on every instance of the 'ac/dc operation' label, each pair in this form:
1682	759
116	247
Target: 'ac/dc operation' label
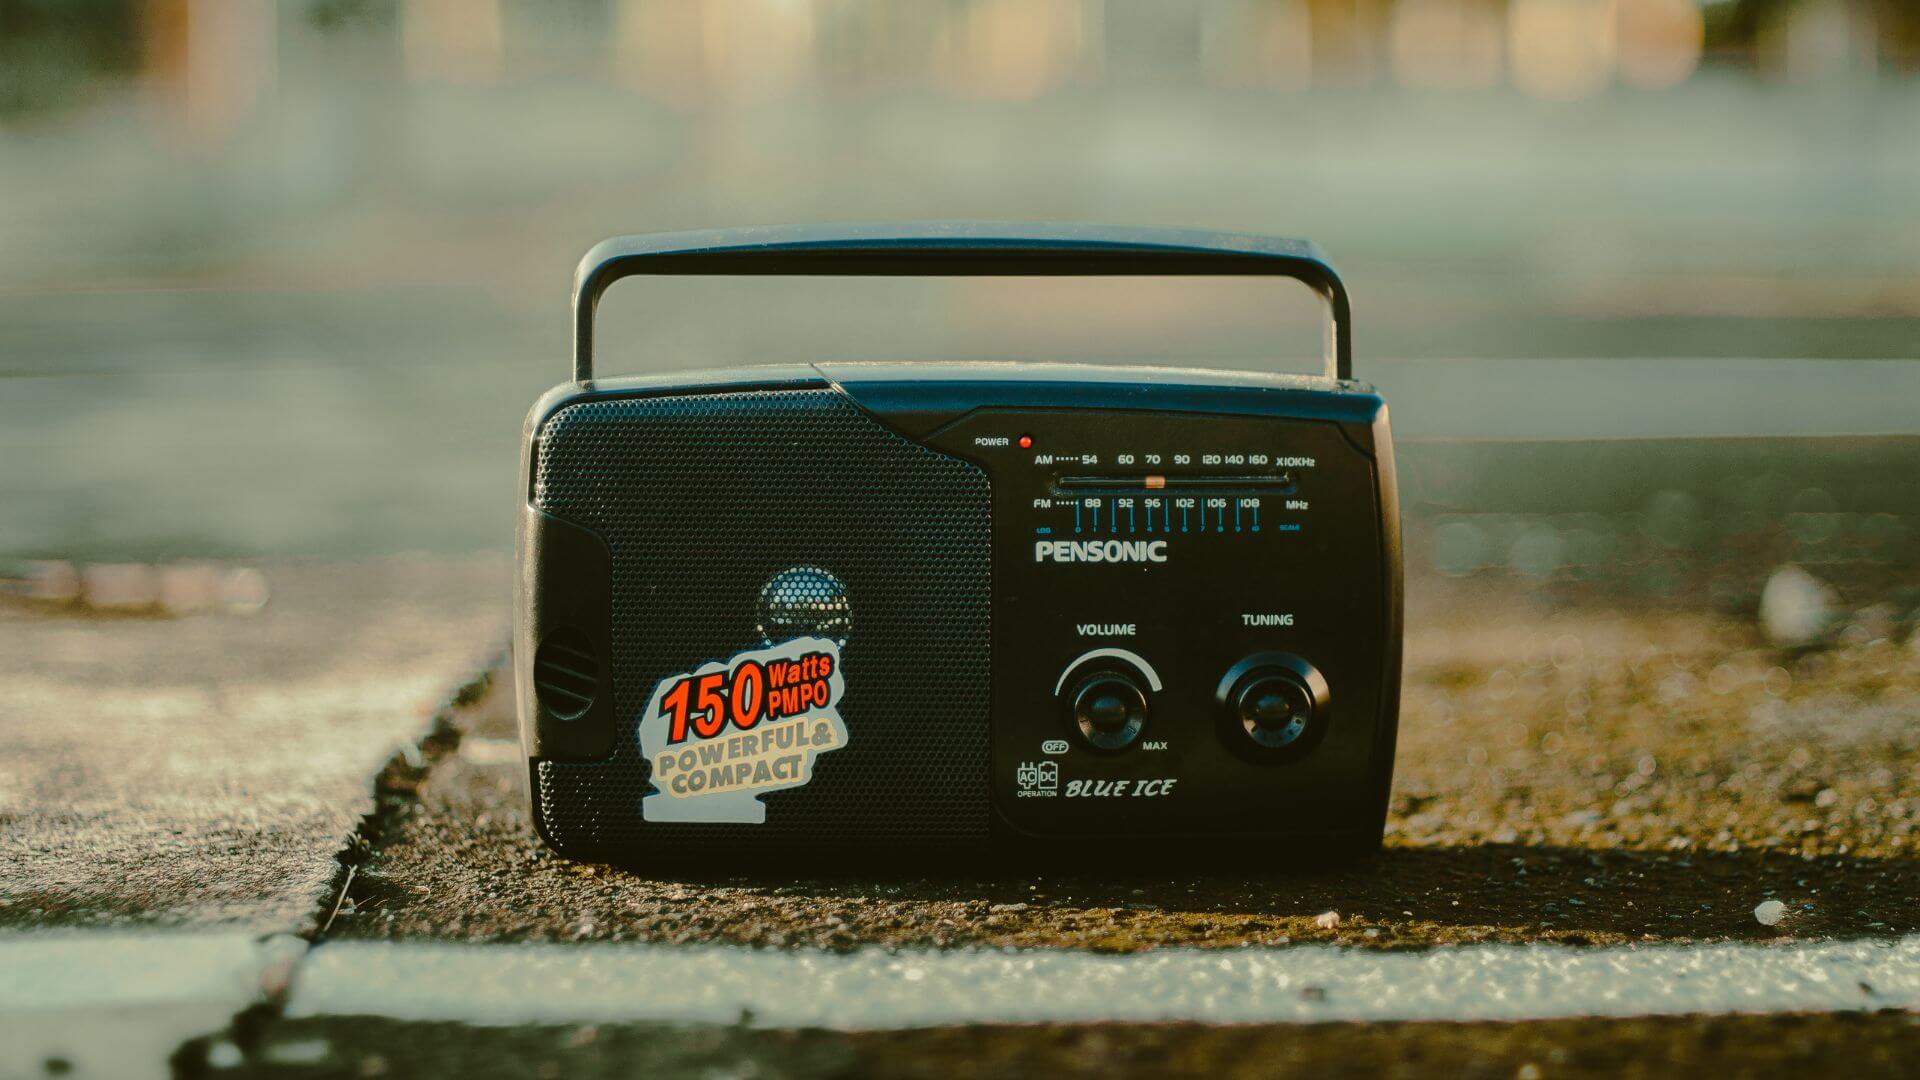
720	736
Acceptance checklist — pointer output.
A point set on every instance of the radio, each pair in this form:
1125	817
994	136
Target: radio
943	608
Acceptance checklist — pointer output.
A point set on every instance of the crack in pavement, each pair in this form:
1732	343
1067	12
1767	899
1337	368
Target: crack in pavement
175	794
394	786
187	1002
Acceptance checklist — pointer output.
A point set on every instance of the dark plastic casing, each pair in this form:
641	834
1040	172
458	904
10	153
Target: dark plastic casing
1250	516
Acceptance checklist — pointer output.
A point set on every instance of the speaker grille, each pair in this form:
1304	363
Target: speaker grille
703	500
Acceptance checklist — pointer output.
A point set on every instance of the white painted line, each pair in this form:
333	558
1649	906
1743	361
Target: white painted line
875	989
118	1003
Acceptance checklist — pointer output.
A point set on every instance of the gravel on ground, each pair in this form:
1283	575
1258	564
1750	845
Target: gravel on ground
1578	774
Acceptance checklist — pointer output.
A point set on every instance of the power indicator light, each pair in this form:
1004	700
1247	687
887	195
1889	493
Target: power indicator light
1026	442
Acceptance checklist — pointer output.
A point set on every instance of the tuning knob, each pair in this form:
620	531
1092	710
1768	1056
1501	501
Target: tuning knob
1273	706
1274	710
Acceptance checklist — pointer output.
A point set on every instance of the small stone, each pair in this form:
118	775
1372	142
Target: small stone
1796	608
1770	912
1327	920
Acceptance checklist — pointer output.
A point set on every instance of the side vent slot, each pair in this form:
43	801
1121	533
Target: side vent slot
566	675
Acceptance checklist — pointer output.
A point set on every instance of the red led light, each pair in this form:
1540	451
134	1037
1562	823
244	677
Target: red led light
1026	442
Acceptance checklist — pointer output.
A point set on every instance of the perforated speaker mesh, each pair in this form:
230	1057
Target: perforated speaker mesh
703	500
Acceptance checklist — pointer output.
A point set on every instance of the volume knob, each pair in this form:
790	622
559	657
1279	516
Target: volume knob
1110	709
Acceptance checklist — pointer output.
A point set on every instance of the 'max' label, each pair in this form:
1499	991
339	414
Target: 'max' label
720	736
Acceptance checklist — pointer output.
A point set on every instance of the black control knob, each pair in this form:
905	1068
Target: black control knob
1110	709
1274	710
1273	707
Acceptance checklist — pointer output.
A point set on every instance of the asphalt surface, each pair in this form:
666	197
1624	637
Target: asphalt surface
1579	775
208	770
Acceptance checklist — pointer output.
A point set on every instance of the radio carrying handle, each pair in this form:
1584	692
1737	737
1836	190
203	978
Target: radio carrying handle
963	249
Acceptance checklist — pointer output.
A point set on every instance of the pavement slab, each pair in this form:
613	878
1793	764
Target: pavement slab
1574	774
209	770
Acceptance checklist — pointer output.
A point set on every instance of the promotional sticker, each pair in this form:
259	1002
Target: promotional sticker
723	735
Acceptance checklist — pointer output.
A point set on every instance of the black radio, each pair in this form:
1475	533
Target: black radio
941	607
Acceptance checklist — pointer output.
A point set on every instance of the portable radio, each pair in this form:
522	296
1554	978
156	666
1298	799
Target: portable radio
851	608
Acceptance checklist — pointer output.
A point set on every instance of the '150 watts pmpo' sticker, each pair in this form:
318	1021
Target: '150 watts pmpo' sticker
719	737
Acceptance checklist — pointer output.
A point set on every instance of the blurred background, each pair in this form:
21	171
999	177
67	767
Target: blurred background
1640	277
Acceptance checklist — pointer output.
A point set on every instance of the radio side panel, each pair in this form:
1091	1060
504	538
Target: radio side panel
1393	574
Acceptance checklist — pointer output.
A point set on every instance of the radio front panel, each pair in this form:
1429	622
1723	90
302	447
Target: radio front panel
1190	620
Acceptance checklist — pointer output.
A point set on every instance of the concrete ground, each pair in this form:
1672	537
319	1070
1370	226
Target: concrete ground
1581	774
194	782
206	770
